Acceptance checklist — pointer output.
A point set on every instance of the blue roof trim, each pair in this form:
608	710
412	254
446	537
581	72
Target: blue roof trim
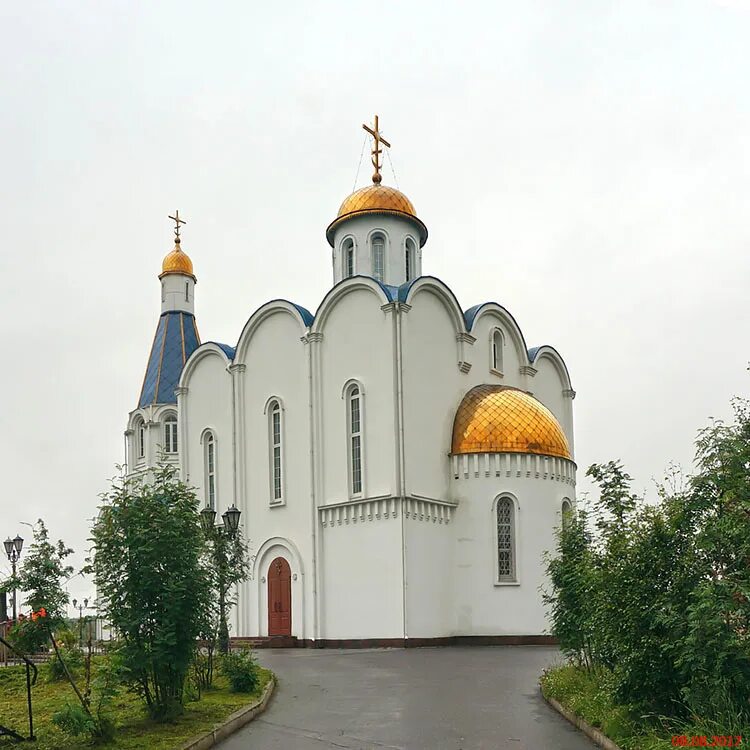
471	314
533	352
175	340
305	314
403	290
228	350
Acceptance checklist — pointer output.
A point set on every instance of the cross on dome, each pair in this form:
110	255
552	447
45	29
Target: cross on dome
177	221
376	150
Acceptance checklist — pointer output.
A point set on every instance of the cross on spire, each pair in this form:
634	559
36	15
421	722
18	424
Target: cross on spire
177	221
376	150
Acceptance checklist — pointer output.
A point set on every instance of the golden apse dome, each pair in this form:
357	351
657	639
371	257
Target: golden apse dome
498	419
177	262
377	199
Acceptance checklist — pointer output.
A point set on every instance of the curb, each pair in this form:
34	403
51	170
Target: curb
591	732
233	722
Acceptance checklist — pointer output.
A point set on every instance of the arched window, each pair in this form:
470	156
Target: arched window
140	439
275	450
565	511
209	448
506	540
354	429
187	295
409	258
170	434
378	256
347	258
497	350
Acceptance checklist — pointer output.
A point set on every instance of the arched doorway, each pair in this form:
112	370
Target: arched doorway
279	598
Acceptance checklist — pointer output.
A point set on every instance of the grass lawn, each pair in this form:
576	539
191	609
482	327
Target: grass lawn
134	730
589	697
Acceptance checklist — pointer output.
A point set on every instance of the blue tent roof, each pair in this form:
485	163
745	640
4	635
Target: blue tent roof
175	340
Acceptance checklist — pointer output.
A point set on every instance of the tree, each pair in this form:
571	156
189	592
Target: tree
661	596
152	584
41	576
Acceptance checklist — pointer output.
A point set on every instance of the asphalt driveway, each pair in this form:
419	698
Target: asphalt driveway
456	698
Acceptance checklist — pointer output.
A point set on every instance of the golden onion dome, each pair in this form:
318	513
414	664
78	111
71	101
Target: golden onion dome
177	262
377	199
498	419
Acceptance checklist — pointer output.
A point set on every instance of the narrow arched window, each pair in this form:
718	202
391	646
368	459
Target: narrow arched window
378	256
348	258
140	438
409	258
170	434
497	350
354	425
566	509
506	540
210	470
275	445
187	295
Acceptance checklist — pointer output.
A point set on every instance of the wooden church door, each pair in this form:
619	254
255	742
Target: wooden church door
279	598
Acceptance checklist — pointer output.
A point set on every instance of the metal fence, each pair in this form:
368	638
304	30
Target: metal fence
94	627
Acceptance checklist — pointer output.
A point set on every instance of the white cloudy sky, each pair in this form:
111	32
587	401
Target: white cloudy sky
583	163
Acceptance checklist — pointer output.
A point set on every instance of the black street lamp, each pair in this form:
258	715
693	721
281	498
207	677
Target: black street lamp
13	549
80	607
221	535
231	518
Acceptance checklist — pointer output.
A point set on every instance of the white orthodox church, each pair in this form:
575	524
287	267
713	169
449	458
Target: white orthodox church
400	462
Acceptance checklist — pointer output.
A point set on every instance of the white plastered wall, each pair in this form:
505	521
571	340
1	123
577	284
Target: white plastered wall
538	486
275	366
207	404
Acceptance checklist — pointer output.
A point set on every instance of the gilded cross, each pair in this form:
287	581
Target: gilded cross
177	221
376	150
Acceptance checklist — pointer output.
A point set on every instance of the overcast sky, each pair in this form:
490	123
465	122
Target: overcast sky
585	164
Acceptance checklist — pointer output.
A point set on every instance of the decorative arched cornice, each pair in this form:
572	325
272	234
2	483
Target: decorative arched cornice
277	541
271	400
350	384
136	417
303	317
383	292
501	495
473	314
442	291
205	432
209	349
549	352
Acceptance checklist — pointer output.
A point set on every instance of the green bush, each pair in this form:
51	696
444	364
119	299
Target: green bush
73	658
654	598
242	670
72	719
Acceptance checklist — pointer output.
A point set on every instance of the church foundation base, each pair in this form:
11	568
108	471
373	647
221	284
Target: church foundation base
454	640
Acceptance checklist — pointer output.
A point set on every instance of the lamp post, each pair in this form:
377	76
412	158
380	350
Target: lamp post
80	607
13	549
221	535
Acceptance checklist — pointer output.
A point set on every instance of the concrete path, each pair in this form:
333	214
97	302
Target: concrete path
456	698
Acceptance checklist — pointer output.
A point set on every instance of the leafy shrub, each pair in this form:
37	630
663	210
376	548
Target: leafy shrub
73	659
28	636
152	583
72	719
658	601
66	637
242	670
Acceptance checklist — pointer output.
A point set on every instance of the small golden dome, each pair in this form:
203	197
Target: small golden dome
177	262
497	419
377	199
